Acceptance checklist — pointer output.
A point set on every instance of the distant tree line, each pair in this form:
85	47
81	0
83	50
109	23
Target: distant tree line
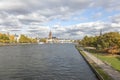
109	42
7	38
25	39
43	40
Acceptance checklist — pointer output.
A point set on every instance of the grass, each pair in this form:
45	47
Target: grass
100	72
113	60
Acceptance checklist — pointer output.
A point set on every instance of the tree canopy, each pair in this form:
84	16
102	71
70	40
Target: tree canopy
108	41
25	39
7	38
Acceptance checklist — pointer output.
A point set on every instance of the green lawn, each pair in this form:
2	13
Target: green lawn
112	60
101	72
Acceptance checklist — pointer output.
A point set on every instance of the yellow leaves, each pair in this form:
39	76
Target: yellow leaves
4	38
12	38
113	50
25	39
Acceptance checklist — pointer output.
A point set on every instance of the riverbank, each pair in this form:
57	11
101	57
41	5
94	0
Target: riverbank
100	73
112	60
105	67
14	44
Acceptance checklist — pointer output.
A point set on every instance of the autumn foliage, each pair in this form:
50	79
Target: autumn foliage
108	42
4	38
7	38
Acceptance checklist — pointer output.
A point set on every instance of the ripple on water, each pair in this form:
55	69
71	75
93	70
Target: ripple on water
43	62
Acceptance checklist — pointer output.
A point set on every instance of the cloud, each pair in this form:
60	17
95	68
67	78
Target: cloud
31	17
110	5
97	15
48	9
80	30
115	19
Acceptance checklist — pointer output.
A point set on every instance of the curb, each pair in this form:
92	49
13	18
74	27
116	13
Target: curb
89	64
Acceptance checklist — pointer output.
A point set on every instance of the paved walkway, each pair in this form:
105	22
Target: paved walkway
108	69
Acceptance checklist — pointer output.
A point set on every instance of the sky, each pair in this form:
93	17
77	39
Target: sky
69	19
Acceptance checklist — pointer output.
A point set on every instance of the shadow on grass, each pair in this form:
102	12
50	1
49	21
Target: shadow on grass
95	51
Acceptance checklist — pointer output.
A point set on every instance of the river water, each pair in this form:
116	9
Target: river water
43	62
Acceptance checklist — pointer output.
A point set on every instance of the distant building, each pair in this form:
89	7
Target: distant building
100	32
52	39
8	34
50	35
17	37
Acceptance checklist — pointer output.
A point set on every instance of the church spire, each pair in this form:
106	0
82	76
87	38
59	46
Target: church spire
50	35
100	32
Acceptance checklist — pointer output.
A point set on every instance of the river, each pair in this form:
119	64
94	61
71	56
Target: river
43	62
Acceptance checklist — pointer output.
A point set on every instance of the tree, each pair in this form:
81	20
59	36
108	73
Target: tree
25	39
42	40
108	41
4	38
12	38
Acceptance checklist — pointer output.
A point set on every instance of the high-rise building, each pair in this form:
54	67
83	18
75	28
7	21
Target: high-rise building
50	35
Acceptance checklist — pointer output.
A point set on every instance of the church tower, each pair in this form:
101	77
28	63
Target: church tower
50	35
100	32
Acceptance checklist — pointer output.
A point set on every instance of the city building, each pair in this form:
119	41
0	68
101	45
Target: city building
17	37
52	39
50	35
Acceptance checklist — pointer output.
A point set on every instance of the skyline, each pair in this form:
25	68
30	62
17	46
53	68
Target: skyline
66	19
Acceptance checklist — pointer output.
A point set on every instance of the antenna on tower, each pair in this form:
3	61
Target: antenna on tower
100	32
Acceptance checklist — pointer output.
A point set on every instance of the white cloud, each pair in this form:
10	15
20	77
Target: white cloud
115	19
97	15
109	5
80	30
13	4
29	16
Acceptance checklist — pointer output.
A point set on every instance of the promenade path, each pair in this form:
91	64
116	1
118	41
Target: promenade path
107	68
